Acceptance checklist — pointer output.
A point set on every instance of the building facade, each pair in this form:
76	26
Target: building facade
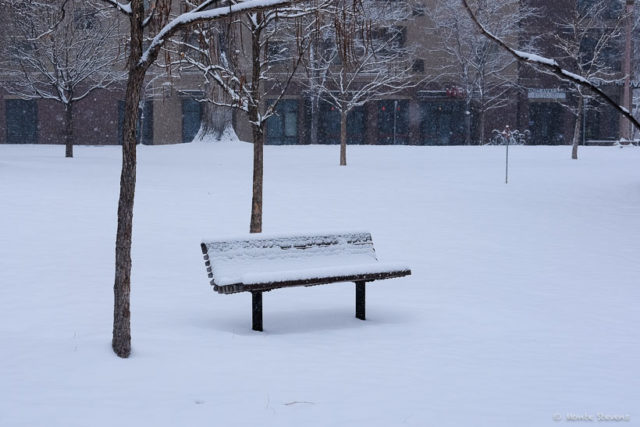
436	112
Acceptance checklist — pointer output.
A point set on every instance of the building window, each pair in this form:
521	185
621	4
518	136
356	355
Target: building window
22	121
144	124
613	9
282	126
147	123
441	122
329	126
546	123
610	56
191	118
393	122
390	38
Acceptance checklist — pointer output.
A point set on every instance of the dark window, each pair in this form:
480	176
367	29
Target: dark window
610	56
601	123
418	66
329	126
393	122
277	51
191	118
145	122
545	123
282	127
442	123
592	125
22	121
391	37
613	8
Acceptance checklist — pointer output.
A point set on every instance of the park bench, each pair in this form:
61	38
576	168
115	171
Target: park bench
259	264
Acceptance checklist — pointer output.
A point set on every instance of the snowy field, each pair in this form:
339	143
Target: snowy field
523	304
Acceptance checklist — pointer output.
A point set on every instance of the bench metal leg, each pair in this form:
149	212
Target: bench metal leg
360	300
256	303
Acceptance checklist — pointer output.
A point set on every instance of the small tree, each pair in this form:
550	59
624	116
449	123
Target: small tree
212	43
552	66
585	43
363	58
62	50
486	74
277	38
139	61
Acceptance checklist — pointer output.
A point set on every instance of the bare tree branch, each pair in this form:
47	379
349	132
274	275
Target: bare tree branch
552	66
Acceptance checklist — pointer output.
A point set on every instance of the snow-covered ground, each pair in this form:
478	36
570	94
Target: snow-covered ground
523	304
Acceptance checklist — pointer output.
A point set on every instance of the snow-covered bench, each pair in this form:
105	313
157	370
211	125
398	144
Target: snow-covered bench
259	263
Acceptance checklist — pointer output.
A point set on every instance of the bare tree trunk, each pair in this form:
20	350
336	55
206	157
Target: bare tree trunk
221	120
577	134
121	342
68	128
258	130
216	119
258	171
315	117
343	137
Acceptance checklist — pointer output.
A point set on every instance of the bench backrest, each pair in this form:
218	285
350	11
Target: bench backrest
228	260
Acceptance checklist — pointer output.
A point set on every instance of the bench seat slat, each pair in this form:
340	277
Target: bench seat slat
320	272
241	287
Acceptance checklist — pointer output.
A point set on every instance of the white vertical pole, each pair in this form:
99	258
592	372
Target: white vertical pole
507	133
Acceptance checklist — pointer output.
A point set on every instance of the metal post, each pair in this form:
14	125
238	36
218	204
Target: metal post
256	305
395	112
625	125
584	121
507	133
360	300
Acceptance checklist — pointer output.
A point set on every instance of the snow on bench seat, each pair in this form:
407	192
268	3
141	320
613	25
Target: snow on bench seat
262	263
320	273
235	265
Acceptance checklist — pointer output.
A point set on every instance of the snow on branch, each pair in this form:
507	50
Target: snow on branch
199	15
552	66
122	7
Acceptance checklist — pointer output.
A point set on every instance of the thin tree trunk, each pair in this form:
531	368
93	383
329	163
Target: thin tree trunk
121	342
258	130
258	170
315	118
343	137
577	134
68	129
